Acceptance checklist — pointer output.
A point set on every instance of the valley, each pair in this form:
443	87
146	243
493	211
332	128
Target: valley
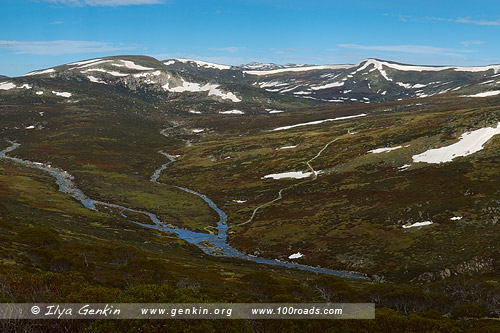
211	177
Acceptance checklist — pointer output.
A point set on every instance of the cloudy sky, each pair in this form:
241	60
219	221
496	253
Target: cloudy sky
36	34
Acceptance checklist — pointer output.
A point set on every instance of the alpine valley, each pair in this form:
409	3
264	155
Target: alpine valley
130	179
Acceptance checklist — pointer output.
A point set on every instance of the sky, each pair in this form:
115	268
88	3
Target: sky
38	34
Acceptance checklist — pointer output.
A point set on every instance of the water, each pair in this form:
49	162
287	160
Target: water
210	243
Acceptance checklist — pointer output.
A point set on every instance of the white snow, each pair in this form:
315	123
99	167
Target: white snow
25	86
495	68
104	71
239	201
170	62
484	94
30	127
194	111
94	79
213	89
456	218
272	84
46	71
328	85
377	65
7	85
155	73
290	174
39	92
319	122
417	224
132	65
469	143
275	111
94	63
298	69
296	256
418	85
287	147
198	130
62	94
200	63
232	112
404	167
79	63
384	150
404	85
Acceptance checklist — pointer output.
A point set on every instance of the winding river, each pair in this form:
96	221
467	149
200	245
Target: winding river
214	244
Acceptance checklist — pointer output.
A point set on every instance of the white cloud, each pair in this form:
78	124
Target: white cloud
415	49
477	22
110	3
468	43
230	49
61	47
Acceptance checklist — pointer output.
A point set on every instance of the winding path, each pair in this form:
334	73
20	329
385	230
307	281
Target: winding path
280	193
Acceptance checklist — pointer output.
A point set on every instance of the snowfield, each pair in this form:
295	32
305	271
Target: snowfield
199	63
297	69
46	71
104	71
417	224
132	65
7	85
385	150
213	89
469	143
290	174
95	80
296	256
484	94
232	112
318	122
62	94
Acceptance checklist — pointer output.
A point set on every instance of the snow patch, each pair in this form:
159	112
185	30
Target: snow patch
46	71
456	218
469	143
290	174
287	147
132	65
417	224
295	255
95	80
239	201
200	63
328	85
484	94
298	69
7	85
62	94
232	112
319	122
384	150
213	89
39	92
104	71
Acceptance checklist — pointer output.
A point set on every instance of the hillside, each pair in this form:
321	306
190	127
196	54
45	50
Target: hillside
216	179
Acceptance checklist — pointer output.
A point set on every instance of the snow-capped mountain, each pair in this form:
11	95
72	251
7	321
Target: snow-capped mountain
266	85
374	80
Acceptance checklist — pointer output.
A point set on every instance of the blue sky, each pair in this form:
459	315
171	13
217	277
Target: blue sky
36	34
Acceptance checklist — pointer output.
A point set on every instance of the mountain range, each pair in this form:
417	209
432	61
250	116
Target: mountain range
254	84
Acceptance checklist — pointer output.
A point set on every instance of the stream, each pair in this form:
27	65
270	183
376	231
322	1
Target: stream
210	243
